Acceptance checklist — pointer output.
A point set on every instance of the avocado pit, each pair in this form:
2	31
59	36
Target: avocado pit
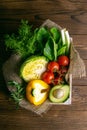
58	93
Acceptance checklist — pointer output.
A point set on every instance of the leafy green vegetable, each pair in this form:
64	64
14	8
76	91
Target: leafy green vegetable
24	30
55	34
40	41
64	43
31	45
51	47
18	92
55	47
67	37
20	43
63	36
48	49
42	37
62	50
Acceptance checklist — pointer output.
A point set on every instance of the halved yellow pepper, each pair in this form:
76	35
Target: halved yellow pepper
37	91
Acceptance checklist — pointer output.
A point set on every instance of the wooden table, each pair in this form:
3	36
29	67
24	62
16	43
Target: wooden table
71	14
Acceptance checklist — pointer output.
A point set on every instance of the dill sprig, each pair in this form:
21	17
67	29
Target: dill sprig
18	91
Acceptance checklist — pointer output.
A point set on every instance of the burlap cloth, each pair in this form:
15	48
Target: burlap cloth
11	68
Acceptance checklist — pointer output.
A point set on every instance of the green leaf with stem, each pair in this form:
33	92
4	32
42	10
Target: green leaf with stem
18	93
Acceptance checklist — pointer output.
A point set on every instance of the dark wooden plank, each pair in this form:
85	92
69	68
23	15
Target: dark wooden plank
60	5
69	14
75	22
80	44
61	120
80	41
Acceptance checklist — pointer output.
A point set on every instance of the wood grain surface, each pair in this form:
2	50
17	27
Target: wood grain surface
71	14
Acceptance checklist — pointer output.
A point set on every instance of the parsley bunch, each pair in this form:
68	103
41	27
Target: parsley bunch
21	42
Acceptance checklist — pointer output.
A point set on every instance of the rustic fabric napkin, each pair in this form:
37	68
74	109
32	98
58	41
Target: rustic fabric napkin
11	68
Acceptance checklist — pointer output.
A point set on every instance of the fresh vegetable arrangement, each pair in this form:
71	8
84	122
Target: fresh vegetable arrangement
45	62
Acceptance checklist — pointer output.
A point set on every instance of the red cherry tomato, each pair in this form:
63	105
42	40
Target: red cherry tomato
47	77
63	60
53	66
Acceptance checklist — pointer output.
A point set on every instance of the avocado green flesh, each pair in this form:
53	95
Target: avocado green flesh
59	93
33	67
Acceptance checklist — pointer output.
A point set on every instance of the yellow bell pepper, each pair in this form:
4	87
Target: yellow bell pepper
37	91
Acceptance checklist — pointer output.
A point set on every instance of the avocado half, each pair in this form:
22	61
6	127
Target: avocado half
59	93
33	67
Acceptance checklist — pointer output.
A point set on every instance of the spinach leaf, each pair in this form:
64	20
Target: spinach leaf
55	34
62	50
48	49
55	47
42	37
